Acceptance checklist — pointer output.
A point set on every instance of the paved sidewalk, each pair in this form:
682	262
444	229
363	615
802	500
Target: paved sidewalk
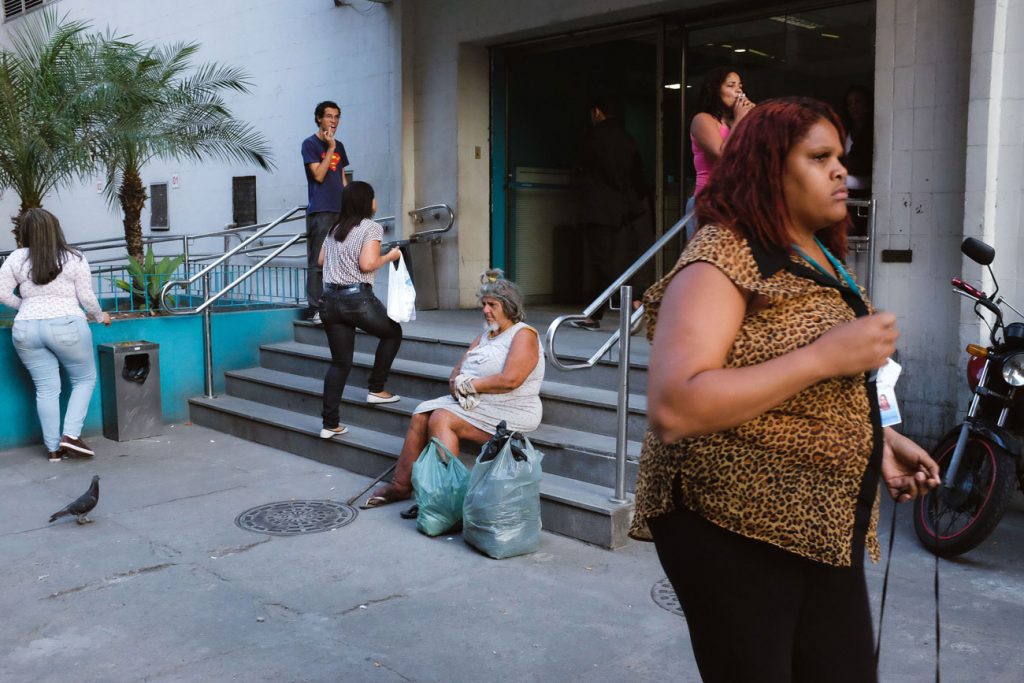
164	587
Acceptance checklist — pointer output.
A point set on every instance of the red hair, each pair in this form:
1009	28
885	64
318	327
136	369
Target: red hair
745	191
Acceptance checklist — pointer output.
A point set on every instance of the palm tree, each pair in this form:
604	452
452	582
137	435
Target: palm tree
163	107
49	107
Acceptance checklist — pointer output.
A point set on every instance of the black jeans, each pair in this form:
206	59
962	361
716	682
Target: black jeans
346	308
759	613
317	227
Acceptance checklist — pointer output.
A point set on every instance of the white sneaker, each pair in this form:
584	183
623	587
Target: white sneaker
377	398
326	433
316	319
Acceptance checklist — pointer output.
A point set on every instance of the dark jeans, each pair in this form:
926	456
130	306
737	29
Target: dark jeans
344	310
759	613
317	227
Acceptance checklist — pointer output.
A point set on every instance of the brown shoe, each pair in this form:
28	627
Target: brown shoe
76	447
57	455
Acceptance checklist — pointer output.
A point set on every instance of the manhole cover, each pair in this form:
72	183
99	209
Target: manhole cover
292	517
664	596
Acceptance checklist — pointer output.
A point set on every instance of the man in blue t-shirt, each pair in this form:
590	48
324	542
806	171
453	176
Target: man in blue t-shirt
325	161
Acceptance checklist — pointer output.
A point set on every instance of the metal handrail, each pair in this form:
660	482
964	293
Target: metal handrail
621	336
115	242
624	329
433	236
552	355
204	307
284	218
416	214
244	248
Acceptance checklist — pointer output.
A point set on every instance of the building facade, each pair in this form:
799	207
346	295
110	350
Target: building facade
479	103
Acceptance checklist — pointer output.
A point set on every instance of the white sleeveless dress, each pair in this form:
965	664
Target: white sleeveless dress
520	408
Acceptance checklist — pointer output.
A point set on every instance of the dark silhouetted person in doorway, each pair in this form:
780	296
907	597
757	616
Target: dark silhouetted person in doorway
325	160
612	198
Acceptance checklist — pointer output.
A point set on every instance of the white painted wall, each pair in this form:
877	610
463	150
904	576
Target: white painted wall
922	72
297	53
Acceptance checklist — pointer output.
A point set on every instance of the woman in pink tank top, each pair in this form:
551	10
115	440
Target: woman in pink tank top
721	106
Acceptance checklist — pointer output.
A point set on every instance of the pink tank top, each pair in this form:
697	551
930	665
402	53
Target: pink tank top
701	163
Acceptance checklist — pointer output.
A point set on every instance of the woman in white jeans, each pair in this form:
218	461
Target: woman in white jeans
50	329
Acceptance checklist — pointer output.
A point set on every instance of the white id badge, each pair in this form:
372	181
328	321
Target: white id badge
885	382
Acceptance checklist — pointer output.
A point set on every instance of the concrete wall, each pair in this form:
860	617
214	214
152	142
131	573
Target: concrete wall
236	340
994	209
922	73
297	53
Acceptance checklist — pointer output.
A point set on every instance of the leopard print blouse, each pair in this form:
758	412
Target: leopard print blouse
804	475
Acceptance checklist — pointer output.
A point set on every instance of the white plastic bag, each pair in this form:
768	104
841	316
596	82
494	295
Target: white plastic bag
401	293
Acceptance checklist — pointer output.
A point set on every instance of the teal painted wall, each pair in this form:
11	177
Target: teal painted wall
237	336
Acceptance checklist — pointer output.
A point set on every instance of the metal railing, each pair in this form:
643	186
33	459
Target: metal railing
210	297
620	336
436	211
245	247
858	245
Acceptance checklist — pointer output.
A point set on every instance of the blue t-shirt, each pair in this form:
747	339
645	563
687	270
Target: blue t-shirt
325	196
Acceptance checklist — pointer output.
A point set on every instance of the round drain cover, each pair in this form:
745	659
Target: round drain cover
664	596
293	517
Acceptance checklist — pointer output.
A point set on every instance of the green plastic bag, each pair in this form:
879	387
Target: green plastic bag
439	480
501	515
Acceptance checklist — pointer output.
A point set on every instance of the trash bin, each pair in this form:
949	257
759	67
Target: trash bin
130	390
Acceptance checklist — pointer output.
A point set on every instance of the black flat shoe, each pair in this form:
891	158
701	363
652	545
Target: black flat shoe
411	513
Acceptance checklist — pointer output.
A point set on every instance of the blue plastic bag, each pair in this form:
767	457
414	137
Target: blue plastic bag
501	513
439	480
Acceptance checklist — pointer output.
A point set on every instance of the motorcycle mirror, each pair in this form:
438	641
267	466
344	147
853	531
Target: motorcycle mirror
978	251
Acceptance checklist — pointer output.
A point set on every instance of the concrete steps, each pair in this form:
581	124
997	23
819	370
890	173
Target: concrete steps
586	456
279	404
569	507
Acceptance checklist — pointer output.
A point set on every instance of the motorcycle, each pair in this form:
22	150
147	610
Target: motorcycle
981	460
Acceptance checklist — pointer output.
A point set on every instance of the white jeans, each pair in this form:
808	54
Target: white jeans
46	345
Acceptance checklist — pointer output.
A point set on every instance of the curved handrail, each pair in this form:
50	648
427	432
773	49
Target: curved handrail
426	235
289	216
634	318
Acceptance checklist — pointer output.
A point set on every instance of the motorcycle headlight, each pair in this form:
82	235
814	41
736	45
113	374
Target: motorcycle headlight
1013	370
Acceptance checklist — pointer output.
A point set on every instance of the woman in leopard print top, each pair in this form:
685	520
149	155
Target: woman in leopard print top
759	469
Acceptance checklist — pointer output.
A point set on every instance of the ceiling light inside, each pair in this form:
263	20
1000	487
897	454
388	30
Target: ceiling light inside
799	22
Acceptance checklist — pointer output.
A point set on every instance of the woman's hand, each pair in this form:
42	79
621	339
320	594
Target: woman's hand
907	469
740	108
858	346
106	319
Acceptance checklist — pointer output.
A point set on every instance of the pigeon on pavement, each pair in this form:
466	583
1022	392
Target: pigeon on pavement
82	505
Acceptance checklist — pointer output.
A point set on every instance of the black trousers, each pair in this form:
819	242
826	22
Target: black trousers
759	613
317	227
344	310
600	260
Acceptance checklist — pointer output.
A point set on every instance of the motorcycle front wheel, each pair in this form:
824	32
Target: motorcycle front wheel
951	521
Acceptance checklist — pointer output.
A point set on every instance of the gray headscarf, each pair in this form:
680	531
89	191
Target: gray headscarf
494	285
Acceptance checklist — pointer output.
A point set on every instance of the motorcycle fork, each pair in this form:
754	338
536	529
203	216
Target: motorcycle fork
965	429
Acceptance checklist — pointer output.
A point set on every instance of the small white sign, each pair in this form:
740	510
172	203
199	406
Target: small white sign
99	186
175	181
